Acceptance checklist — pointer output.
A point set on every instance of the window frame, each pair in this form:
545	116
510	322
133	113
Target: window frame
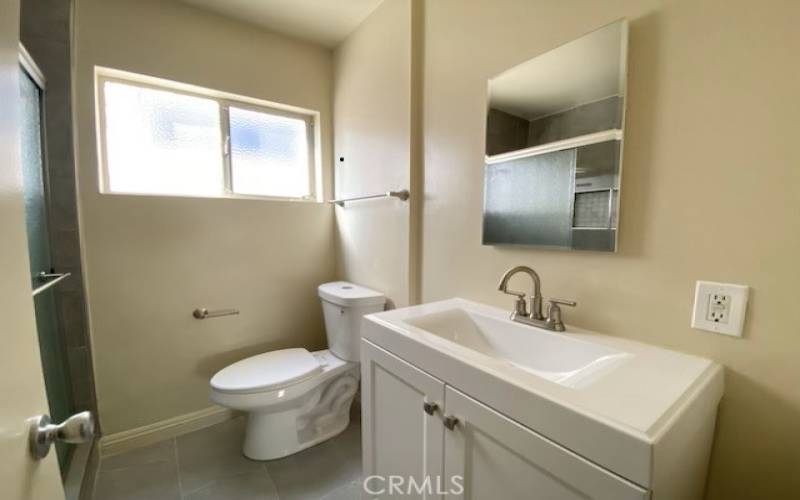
225	101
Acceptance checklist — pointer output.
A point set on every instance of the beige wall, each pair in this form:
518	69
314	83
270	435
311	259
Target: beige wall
151	260
372	101
711	190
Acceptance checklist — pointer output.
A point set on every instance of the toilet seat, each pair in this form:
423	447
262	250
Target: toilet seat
289	393
267	372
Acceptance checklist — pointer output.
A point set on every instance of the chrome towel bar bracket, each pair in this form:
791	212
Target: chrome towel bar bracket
203	313
50	280
403	195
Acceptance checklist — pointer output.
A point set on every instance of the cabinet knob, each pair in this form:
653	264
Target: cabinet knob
450	422
430	408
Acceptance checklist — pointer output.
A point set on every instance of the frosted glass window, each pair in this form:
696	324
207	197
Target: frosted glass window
170	139
269	154
161	142
591	209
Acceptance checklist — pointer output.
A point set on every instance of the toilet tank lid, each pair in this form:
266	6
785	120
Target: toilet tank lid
348	294
269	371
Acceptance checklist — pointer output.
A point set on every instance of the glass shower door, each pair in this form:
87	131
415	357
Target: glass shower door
528	201
51	344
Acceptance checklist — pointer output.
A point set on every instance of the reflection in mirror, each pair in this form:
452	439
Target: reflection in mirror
554	132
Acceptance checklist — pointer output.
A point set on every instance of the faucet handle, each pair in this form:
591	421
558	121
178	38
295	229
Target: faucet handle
554	312
520	305
562	302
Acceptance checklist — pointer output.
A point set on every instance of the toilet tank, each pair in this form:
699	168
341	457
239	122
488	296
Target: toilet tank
343	306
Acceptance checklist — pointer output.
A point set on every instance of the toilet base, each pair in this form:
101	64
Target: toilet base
263	442
325	414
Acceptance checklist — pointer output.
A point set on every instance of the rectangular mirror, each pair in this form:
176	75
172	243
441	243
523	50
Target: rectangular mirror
554	131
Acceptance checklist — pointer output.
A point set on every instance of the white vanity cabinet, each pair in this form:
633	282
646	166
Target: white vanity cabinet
399	437
496	457
540	414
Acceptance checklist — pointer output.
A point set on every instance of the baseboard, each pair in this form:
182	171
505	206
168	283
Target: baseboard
165	429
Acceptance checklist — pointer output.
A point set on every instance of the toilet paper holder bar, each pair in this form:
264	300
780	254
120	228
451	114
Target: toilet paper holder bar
203	313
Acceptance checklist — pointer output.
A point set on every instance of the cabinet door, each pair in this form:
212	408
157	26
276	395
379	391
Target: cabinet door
499	458
400	438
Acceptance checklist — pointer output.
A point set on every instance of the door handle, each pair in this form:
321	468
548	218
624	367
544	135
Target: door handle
78	428
450	422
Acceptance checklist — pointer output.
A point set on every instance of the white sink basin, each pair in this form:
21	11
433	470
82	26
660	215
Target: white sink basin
632	384
552	356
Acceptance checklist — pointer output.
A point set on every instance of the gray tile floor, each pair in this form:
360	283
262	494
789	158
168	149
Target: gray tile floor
209	465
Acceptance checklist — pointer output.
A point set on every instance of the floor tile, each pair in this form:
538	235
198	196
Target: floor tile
319	470
158	453
145	474
146	482
247	486
213	454
209	465
350	491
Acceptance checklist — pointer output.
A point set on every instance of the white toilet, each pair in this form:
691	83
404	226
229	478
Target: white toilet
295	398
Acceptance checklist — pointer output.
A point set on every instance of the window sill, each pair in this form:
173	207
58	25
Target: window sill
227	196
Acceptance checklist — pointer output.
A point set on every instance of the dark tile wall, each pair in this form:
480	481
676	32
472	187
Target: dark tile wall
505	132
45	31
581	120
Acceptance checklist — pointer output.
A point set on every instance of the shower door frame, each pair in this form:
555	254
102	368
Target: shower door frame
74	475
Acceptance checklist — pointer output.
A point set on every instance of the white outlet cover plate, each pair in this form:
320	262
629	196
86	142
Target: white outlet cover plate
738	306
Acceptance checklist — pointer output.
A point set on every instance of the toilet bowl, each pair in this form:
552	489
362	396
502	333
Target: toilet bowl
291	409
295	398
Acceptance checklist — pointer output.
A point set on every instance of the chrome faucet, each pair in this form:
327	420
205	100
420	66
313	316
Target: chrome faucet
521	307
535	316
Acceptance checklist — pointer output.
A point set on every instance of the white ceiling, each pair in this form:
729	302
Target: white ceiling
582	71
326	22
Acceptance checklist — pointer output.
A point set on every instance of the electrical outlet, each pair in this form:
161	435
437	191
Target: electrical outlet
720	308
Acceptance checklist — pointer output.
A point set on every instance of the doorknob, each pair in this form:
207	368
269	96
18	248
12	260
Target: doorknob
78	428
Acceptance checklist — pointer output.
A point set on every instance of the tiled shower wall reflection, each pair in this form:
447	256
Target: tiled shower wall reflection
46	33
506	132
